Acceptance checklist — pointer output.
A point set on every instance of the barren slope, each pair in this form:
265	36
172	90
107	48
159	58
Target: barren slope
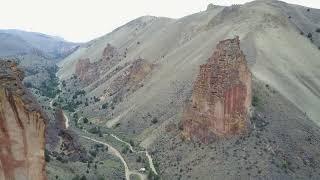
277	53
269	38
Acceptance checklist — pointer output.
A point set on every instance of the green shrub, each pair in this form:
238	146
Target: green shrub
131	142
139	159
255	101
94	130
96	99
153	176
125	149
93	154
154	120
77	177
100	178
83	177
105	105
28	84
47	156
100	134
49	88
70	106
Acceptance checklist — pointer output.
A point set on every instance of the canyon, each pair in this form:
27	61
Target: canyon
230	92
22	128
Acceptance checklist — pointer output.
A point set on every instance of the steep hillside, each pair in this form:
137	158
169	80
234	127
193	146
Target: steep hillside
137	79
270	39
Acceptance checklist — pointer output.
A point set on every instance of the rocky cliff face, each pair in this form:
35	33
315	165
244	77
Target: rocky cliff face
22	128
221	96
130	79
89	72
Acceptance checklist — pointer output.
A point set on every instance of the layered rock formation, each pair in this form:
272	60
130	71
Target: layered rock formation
83	70
130	78
89	72
22	128
221	96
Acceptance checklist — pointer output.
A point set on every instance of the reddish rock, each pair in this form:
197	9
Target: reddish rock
22	128
84	70
221	95
109	51
88	72
130	78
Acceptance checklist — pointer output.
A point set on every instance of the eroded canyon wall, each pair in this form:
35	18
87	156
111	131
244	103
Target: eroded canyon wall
88	71
22	128
221	95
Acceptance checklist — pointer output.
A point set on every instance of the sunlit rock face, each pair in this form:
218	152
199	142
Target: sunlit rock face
22	129
221	95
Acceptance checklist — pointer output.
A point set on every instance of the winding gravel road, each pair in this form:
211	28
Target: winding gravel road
114	151
147	154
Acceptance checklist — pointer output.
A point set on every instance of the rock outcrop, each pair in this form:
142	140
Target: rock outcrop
22	128
221	96
70	147
84	70
89	72
130	78
210	6
63	143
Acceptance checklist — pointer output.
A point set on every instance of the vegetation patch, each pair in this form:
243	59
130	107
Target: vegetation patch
255	101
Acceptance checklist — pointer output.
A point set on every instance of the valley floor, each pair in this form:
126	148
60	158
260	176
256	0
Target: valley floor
119	151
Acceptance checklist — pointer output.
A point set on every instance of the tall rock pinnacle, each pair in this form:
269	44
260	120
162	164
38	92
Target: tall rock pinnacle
221	95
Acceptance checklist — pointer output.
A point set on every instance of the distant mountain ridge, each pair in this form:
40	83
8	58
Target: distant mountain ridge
36	53
17	42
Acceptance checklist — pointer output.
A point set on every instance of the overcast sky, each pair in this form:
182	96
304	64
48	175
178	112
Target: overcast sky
83	20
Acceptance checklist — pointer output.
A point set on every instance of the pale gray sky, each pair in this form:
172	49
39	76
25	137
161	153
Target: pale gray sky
83	20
